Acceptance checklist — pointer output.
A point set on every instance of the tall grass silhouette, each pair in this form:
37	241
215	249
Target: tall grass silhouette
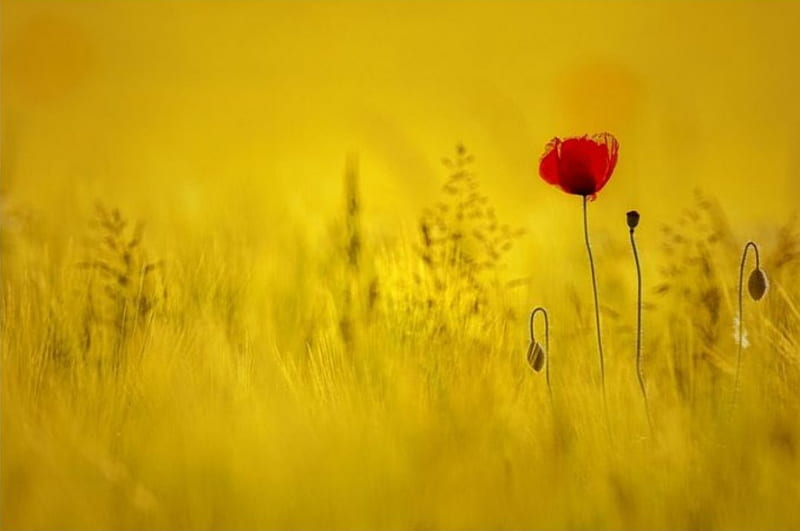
123	288
203	375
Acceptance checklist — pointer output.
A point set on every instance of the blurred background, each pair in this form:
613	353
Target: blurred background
224	110
282	348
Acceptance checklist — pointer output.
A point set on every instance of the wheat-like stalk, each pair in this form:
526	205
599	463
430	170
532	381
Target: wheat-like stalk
125	292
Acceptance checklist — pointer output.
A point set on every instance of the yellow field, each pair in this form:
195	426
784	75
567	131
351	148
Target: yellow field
236	291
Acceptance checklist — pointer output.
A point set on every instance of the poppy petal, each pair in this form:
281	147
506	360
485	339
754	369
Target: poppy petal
613	152
548	165
580	165
607	154
577	166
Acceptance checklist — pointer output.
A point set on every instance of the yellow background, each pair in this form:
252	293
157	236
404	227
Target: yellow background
102	98
243	367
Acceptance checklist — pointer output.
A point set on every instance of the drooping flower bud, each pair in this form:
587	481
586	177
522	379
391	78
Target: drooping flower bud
633	219
757	284
536	356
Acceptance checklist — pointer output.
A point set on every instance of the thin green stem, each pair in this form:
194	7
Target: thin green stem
639	372
740	341
596	303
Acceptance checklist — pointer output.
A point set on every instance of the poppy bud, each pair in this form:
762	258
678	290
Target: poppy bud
633	219
757	284
535	356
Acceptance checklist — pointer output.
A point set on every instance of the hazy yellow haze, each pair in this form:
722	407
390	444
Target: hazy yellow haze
242	366
101	98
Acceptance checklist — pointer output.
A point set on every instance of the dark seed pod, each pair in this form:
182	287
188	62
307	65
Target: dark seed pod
757	284
531	353
633	219
535	356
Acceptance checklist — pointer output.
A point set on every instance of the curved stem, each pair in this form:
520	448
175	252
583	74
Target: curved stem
639	373
747	246
541	310
596	303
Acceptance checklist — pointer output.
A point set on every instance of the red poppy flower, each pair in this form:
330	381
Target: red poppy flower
581	165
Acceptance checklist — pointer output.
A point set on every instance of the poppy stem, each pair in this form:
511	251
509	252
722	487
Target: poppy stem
596	303
639	373
740	341
541	310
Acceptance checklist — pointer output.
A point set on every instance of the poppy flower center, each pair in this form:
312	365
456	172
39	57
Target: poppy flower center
581	184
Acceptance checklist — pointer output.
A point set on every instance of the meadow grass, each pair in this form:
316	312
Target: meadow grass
364	382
